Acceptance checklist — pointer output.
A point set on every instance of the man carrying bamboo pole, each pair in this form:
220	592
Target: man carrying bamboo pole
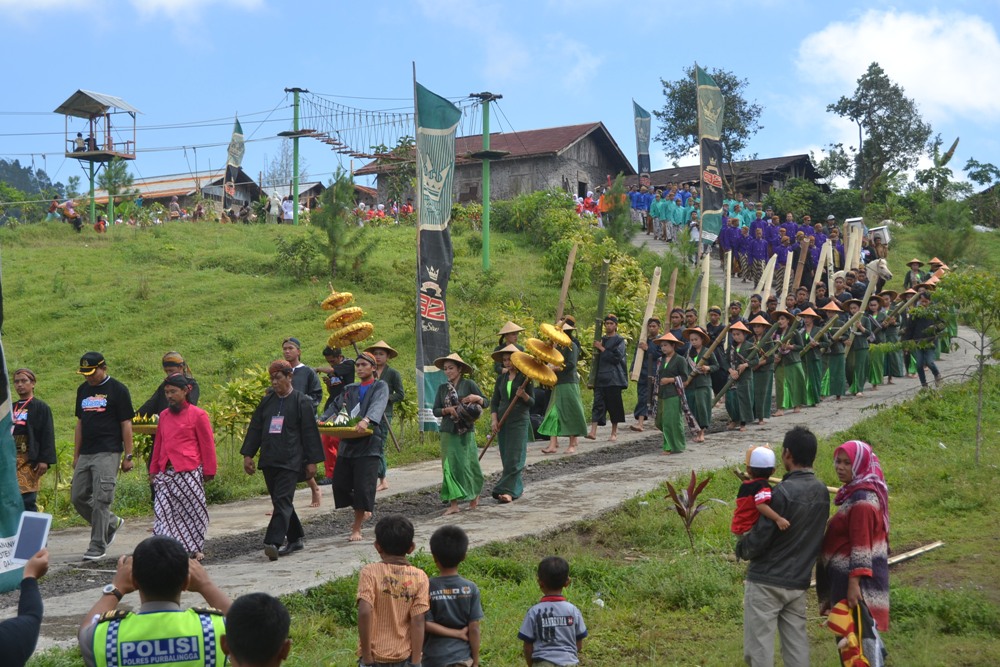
610	380
647	372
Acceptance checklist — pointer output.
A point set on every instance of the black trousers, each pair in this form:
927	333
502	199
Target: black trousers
284	521
354	482
608	400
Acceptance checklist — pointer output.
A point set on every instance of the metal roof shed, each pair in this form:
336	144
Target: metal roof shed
103	143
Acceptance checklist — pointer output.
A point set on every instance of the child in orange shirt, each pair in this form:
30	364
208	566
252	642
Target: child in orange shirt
393	597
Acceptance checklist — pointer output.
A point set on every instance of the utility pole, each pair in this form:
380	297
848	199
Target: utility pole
486	155
294	135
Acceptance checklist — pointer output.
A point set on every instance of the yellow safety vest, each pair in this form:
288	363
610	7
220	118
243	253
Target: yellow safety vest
182	638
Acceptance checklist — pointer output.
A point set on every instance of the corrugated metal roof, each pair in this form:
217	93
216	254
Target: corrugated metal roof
528	143
86	103
286	190
181	185
743	169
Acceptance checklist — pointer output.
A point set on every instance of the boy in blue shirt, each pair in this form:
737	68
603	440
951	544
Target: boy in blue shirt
452	623
553	630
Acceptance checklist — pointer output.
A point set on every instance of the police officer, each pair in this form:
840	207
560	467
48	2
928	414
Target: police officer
160	570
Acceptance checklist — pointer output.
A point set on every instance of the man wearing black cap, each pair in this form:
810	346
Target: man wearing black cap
611	380
306	381
103	432
647	372
304	378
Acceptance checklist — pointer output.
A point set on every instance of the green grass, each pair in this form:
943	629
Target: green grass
214	293
665	605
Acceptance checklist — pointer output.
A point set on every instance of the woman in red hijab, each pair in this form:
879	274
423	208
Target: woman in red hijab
854	561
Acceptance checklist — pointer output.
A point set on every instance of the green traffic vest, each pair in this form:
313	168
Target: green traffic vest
183	638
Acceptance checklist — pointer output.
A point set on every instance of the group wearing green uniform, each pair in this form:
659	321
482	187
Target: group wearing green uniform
668	412
564	415
740	358
699	389
763	373
789	361
462	475
812	356
513	436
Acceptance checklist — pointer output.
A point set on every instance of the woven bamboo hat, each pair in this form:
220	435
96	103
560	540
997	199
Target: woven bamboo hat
466	368
850	301
509	349
936	261
760	319
739	326
914	261
510	327
785	313
669	338
382	345
832	307
696	330
889	294
809	312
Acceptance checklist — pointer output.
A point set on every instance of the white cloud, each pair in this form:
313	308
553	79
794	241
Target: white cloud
575	62
180	9
946	61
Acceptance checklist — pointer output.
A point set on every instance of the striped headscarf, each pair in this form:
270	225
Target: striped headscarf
867	475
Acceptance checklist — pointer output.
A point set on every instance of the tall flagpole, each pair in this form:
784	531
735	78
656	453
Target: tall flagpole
701	164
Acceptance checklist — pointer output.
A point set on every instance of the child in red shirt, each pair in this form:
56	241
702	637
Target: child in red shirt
754	497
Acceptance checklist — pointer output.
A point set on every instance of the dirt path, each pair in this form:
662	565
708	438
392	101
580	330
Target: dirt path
560	490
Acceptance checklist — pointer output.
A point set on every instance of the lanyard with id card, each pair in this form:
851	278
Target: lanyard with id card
277	421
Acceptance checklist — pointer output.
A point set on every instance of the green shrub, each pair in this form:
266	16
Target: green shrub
952	612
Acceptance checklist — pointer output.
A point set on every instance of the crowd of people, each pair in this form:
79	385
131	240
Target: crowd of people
793	356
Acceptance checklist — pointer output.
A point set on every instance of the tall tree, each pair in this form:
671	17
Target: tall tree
116	180
891	132
679	116
280	169
938	177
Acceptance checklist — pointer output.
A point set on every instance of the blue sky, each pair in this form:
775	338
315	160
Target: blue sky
556	62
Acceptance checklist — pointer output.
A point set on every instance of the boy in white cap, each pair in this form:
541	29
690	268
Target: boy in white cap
754	497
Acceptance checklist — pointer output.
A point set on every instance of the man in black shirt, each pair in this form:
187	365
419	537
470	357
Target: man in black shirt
103	432
306	381
34	437
283	429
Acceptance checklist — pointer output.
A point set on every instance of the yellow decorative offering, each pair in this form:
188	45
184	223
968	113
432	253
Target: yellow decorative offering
544	352
552	333
533	368
352	333
343	317
337	300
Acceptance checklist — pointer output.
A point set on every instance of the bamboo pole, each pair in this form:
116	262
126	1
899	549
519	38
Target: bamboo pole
567	278
654	288
817	279
764	286
671	294
705	283
912	553
602	297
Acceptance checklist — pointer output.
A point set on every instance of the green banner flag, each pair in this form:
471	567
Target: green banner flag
11	505
711	111
437	120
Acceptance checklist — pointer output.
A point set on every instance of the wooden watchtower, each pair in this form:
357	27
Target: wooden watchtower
106	134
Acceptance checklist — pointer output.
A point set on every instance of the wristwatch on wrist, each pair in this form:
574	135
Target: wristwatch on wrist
128	457
111	589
